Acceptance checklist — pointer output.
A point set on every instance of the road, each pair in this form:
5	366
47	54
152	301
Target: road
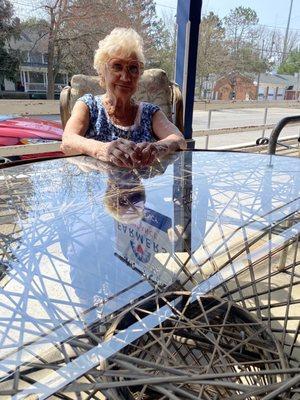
240	117
232	118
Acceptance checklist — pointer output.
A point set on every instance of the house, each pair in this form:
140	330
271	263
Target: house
293	86
206	88
264	86
33	66
235	86
271	86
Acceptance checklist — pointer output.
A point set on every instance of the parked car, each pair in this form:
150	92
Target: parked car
16	130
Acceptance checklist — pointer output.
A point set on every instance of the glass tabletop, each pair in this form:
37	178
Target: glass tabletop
82	241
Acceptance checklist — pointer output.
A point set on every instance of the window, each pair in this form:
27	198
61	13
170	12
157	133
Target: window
60	78
36	77
24	56
36	57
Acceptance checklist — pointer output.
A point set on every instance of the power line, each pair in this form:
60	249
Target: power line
263	25
278	27
287	31
163	5
29	3
20	3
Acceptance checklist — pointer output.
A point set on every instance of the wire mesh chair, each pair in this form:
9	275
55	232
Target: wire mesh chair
209	348
240	342
246	336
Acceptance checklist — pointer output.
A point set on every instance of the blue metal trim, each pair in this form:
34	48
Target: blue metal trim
188	22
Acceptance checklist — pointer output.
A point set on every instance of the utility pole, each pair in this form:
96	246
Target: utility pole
286	34
272	45
258	75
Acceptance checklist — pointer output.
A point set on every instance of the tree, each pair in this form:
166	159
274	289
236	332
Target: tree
89	21
141	15
167	54
51	26
271	42
243	42
240	27
57	12
47	29
211	49
9	27
292	64
74	28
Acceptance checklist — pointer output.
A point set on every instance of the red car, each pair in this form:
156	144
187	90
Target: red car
23	130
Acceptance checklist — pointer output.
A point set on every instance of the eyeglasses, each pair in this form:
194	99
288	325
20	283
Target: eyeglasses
130	199
133	67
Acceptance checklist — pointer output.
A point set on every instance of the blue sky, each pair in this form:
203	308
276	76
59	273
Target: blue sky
270	12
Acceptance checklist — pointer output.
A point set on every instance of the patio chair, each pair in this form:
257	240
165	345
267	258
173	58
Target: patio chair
154	87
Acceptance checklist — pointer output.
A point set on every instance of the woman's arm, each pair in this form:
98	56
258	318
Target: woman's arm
169	135
170	140
73	141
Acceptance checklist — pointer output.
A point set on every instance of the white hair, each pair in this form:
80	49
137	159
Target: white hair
121	42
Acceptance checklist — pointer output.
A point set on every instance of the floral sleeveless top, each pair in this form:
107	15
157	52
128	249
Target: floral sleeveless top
101	127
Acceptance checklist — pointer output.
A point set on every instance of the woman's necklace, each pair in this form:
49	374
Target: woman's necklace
123	120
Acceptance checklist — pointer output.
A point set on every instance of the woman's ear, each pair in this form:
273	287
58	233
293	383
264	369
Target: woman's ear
138	86
101	81
101	74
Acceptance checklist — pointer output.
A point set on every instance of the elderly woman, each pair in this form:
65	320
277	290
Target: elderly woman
114	127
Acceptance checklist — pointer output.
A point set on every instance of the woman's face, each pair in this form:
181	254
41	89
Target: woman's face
133	211
122	75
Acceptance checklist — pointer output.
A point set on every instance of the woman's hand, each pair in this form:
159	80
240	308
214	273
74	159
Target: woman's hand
148	152
123	153
126	154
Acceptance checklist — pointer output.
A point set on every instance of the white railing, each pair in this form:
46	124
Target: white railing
9	151
237	129
39	148
38	87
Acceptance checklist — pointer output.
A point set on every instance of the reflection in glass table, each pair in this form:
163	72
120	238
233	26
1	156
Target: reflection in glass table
179	281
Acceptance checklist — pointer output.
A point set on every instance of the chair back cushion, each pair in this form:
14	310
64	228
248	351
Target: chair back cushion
154	87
